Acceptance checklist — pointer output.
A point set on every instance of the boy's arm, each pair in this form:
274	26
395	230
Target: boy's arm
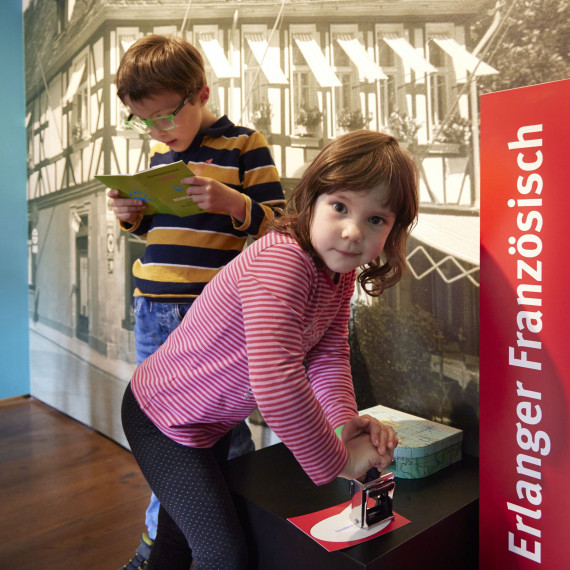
258	200
214	196
128	210
129	213
261	187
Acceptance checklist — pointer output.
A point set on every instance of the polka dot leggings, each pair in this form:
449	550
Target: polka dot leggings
197	518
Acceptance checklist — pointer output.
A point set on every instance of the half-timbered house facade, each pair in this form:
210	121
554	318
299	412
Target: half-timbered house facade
302	72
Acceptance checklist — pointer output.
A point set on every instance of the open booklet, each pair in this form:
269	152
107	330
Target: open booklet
158	187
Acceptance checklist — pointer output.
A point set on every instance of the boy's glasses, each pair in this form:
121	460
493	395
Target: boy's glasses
164	123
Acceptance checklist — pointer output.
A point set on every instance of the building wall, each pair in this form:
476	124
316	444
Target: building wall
81	290
14	376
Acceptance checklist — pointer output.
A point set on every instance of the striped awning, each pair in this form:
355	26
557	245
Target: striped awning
456	238
408	54
215	56
315	59
74	82
368	68
267	59
463	61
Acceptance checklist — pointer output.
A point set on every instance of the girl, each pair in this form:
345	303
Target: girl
271	330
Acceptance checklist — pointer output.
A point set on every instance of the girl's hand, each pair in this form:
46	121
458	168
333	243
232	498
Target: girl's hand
362	456
382	437
126	209
213	196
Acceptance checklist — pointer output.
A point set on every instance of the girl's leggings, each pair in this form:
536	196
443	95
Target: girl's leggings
197	518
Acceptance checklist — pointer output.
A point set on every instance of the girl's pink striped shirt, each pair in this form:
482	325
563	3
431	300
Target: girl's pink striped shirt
270	330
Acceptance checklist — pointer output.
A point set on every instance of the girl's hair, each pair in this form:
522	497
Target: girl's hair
359	161
158	63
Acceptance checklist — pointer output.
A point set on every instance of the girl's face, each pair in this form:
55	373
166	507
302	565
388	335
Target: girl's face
349	228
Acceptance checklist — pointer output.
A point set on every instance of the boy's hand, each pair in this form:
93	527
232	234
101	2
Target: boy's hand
382	437
126	209
214	196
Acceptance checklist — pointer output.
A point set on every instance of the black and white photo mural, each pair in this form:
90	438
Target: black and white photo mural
302	72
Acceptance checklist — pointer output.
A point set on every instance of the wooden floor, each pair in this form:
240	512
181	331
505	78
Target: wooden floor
69	497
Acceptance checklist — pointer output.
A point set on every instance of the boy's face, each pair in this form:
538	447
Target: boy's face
349	229
189	120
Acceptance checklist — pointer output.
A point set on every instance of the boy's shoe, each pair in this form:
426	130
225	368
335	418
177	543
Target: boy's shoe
140	561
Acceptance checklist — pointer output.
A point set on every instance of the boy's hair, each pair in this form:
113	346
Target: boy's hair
358	161
158	63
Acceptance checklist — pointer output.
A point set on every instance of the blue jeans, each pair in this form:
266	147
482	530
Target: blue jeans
153	323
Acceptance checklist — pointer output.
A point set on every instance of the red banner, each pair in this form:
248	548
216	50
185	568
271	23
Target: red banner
525	331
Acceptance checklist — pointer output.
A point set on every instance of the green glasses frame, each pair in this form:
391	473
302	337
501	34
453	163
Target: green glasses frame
164	123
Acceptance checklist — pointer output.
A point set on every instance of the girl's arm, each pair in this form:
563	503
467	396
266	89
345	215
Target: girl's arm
328	364
275	294
331	379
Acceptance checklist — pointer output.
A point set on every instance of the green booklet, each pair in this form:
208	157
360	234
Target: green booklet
158	187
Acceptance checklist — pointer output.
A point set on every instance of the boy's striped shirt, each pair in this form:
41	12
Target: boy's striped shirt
183	254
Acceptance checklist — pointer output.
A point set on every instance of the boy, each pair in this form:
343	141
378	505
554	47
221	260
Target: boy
162	81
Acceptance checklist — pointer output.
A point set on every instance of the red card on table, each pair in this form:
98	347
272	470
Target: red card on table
333	529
